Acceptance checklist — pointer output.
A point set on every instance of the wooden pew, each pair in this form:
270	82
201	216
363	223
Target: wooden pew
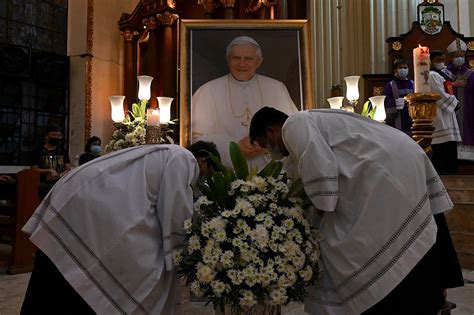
16	212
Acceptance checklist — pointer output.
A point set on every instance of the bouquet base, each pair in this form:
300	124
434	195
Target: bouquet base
259	309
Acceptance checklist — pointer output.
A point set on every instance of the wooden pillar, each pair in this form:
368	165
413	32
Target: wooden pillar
281	9
130	69
228	8
166	56
209	7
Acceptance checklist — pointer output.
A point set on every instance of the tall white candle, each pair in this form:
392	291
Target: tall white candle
421	65
153	117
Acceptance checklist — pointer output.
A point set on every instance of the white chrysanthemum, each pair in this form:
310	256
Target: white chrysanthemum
217	224
268	222
194	244
177	256
234	277
259	183
196	289
260	217
218	287
188	224
119	144
288	224
236	184
205	230
205	274
278	297
226	258
220	236
260	236
201	201
247	299
226	214
306	273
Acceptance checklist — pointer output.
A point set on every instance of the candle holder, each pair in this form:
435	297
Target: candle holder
153	135
422	110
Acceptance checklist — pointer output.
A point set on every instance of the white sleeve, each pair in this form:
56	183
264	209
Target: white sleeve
447	102
317	164
175	200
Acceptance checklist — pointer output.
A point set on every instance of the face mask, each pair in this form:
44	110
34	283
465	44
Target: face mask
96	149
439	66
402	73
459	61
275	153
54	141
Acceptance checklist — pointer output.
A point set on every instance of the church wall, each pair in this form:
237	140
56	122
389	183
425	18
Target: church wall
76	46
106	67
348	37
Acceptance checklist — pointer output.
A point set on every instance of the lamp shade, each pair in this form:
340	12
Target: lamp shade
379	103
335	102
352	87
144	87
116	102
164	103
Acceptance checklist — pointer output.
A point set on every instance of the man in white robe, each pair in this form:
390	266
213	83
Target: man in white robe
222	108
378	192
110	227
446	134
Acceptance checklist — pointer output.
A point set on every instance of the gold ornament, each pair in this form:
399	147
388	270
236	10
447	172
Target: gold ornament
470	45
397	45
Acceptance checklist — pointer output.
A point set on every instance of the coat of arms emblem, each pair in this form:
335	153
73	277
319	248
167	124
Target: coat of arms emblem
431	18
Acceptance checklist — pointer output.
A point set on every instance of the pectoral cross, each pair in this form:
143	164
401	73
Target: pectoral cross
248	116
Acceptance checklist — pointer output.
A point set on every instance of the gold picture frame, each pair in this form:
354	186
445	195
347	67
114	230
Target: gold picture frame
202	58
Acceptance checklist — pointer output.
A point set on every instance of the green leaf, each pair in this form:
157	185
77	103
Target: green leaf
238	161
296	189
219	164
273	169
142	109
135	110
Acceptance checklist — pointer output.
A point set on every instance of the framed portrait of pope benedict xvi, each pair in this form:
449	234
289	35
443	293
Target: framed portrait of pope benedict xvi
231	68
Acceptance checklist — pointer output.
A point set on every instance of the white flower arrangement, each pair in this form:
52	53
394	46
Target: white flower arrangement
249	243
132	131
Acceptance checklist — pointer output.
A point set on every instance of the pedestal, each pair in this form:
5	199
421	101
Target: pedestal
152	135
422	110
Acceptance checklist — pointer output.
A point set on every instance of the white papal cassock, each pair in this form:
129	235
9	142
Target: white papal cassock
222	110
378	191
110	227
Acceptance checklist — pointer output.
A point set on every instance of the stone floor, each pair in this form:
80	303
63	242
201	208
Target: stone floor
13	287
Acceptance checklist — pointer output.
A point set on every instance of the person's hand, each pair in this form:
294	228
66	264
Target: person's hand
52	176
6	179
459	83
250	150
399	103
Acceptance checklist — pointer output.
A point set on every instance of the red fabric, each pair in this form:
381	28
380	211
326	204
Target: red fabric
448	87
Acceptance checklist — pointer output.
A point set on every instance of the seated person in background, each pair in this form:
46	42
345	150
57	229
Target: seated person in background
202	151
6	179
92	150
51	160
395	105
446	134
107	232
